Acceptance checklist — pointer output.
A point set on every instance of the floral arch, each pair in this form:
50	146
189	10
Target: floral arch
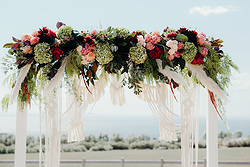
152	64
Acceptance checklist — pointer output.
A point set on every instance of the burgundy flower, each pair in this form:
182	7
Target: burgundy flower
191	34
46	35
155	54
171	35
199	59
134	39
56	52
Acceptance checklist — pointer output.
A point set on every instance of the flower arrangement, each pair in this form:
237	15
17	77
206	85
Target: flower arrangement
117	51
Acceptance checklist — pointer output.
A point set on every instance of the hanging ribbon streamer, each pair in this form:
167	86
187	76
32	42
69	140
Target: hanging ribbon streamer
206	81
117	91
23	73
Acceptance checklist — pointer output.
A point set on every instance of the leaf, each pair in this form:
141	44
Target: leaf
7	45
59	24
109	28
15	46
89	74
15	39
94	67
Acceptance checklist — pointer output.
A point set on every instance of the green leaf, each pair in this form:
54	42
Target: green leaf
7	45
108	29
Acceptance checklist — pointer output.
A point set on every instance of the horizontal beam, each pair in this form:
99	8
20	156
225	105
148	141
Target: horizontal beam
131	161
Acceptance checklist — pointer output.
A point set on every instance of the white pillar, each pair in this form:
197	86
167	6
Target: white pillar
211	135
21	131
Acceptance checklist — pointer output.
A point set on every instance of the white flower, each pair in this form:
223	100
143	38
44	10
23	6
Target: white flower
141	40
173	44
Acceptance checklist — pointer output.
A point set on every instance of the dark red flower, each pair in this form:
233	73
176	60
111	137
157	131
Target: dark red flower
199	59
56	52
191	34
46	35
134	39
171	35
155	54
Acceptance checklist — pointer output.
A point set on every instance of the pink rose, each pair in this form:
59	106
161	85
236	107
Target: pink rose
93	32
180	45
84	61
173	44
25	37
201	37
35	33
156	39
27	49
203	51
156	33
34	40
150	46
147	37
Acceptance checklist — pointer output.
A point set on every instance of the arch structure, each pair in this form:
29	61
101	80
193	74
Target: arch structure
151	64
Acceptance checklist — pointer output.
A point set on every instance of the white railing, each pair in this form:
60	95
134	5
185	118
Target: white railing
161	162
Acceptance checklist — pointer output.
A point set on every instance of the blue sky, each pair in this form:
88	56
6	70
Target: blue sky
228	20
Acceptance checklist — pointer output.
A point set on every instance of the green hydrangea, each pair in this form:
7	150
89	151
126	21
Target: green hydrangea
103	53
42	53
122	32
143	32
190	51
137	54
65	31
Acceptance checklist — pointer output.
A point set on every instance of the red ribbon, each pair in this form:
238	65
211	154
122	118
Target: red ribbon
26	91
212	98
171	87
85	82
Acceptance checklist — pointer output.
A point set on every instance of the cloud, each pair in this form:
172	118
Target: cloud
206	10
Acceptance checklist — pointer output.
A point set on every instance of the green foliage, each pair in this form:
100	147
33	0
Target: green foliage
73	65
2	148
116	137
101	146
142	145
120	145
10	149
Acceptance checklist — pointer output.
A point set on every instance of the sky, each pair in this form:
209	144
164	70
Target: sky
227	20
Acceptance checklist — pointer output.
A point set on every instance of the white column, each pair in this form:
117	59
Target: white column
21	131
211	134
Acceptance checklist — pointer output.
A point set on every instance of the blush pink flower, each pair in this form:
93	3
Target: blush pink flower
180	45
25	37
156	39
66	38
27	49
34	40
84	61
93	32
173	44
35	33
207	43
141	40
156	33
147	37
201	37
90	56
150	46
79	50
203	51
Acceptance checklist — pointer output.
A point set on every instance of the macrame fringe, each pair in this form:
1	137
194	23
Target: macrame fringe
117	91
160	102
